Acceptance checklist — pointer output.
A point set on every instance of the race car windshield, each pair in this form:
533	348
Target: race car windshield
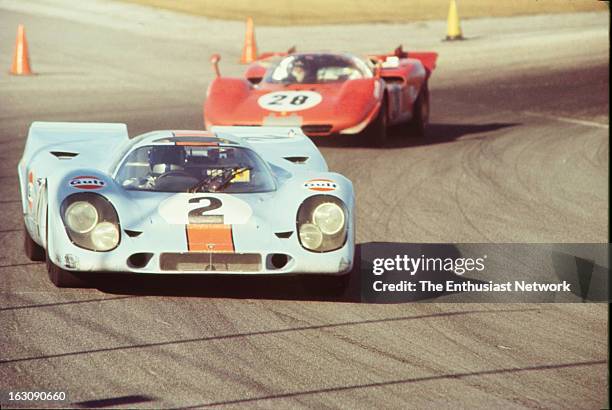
317	69
181	168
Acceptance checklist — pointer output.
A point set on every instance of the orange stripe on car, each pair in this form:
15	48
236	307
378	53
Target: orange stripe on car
210	238
30	190
194	134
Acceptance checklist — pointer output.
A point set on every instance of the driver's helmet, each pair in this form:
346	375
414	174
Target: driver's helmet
303	70
166	158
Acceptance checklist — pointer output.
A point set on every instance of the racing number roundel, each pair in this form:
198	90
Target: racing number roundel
289	100
184	209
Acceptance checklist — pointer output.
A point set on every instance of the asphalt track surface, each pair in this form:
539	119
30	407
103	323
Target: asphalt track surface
517	152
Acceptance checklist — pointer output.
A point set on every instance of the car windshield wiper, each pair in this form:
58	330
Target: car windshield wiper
218	182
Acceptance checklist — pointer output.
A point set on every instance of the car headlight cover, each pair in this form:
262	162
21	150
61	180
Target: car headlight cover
105	236
329	217
322	223
311	236
81	216
91	222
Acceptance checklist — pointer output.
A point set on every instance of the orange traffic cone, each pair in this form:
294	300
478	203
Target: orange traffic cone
249	51
21	58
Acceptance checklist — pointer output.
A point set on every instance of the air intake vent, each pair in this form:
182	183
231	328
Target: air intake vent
297	160
316	129
64	154
205	262
394	80
132	234
284	235
139	260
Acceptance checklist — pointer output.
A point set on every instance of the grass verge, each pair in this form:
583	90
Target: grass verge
305	12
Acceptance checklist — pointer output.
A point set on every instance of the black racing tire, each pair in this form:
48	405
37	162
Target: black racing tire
33	251
375	134
339	284
326	285
62	278
417	127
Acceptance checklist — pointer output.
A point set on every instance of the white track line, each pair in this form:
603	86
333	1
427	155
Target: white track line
566	119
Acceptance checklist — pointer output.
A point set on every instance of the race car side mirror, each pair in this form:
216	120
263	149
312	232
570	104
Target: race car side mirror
255	73
214	59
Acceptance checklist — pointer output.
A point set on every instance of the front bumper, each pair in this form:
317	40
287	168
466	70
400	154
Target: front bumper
313	127
283	259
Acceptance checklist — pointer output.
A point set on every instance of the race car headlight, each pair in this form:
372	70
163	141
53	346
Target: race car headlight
105	236
310	236
91	222
322	223
81	217
329	217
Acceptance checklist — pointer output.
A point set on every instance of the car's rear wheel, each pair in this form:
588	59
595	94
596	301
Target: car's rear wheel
33	251
375	135
420	114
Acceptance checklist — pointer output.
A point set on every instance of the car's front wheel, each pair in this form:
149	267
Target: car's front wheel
33	251
375	135
65	279
340	284
62	278
327	285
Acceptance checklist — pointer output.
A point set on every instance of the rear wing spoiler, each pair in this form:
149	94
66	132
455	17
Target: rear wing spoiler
72	137
287	147
428	58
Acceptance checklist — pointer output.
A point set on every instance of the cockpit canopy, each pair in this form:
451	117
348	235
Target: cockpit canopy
317	68
181	166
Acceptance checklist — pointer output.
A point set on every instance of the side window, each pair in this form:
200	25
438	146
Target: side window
136	165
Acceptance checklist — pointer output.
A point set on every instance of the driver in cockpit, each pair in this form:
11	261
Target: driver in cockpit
163	159
166	158
302	71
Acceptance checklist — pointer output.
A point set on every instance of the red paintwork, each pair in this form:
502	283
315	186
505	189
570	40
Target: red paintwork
233	101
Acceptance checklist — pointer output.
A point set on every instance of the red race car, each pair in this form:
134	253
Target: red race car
326	93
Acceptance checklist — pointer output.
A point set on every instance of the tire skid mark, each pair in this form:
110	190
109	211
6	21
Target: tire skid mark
254	333
447	376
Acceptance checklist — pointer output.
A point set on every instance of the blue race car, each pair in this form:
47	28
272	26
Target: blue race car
233	200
